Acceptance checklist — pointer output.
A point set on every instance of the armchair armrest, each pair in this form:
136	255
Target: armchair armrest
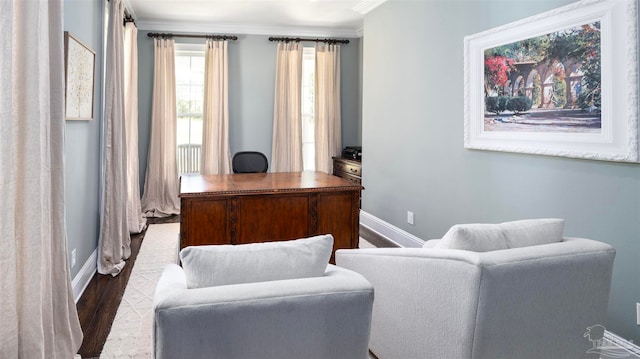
419	293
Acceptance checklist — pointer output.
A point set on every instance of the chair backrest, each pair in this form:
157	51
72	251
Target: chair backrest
250	162
540	300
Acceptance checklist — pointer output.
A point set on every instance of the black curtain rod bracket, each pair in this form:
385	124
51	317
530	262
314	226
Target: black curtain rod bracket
299	39
128	18
213	37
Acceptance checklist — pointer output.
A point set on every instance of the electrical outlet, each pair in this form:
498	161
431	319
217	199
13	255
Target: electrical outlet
73	258
410	217
638	313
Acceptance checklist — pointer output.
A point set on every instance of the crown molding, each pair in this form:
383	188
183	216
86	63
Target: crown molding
248	29
129	7
364	6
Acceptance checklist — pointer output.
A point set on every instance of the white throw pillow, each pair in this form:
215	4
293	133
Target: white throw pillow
432	243
484	237
475	237
214	265
533	232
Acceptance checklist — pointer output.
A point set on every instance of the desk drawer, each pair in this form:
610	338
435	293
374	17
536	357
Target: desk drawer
347	168
350	177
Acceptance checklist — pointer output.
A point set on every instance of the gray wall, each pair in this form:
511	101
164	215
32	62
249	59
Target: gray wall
351	92
414	157
82	141
252	63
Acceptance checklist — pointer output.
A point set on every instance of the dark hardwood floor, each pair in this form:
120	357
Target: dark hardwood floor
375	239
99	303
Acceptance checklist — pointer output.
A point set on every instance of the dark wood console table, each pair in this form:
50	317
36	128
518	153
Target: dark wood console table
262	207
348	168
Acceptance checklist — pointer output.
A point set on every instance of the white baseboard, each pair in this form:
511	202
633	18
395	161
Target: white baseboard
392	233
625	346
82	279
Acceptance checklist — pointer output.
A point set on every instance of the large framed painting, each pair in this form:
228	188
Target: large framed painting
561	83
79	65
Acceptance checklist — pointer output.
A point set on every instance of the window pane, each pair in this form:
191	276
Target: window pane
183	67
197	98
307	129
197	70
183	130
196	130
308	157
182	97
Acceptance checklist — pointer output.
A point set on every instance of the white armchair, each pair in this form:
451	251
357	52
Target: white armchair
527	302
326	316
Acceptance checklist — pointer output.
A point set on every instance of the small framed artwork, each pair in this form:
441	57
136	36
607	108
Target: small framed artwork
561	83
79	65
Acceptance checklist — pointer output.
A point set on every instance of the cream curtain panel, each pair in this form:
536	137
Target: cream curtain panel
215	142
327	131
286	148
160	198
135	221
37	313
114	243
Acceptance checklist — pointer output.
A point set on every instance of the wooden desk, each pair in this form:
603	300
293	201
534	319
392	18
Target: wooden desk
262	207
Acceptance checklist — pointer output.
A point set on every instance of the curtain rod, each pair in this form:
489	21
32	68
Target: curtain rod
214	37
298	39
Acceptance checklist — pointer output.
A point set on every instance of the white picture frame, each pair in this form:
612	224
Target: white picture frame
79	65
549	128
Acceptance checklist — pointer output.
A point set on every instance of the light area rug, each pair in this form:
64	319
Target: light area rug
130	335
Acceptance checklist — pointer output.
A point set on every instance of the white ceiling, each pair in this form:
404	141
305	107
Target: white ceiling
341	18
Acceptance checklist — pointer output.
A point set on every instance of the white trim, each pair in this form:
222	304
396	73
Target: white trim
247	29
365	6
623	344
129	7
190	49
83	277
389	231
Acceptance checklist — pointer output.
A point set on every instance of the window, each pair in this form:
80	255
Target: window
308	95
189	106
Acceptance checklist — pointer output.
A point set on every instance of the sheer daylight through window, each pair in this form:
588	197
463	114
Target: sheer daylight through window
189	107
308	95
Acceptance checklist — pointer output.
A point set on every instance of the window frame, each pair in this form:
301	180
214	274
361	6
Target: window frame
191	50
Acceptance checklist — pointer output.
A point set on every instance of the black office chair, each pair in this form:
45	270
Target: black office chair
249	162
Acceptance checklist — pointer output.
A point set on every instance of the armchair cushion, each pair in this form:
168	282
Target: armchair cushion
484	237
475	237
215	265
533	232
